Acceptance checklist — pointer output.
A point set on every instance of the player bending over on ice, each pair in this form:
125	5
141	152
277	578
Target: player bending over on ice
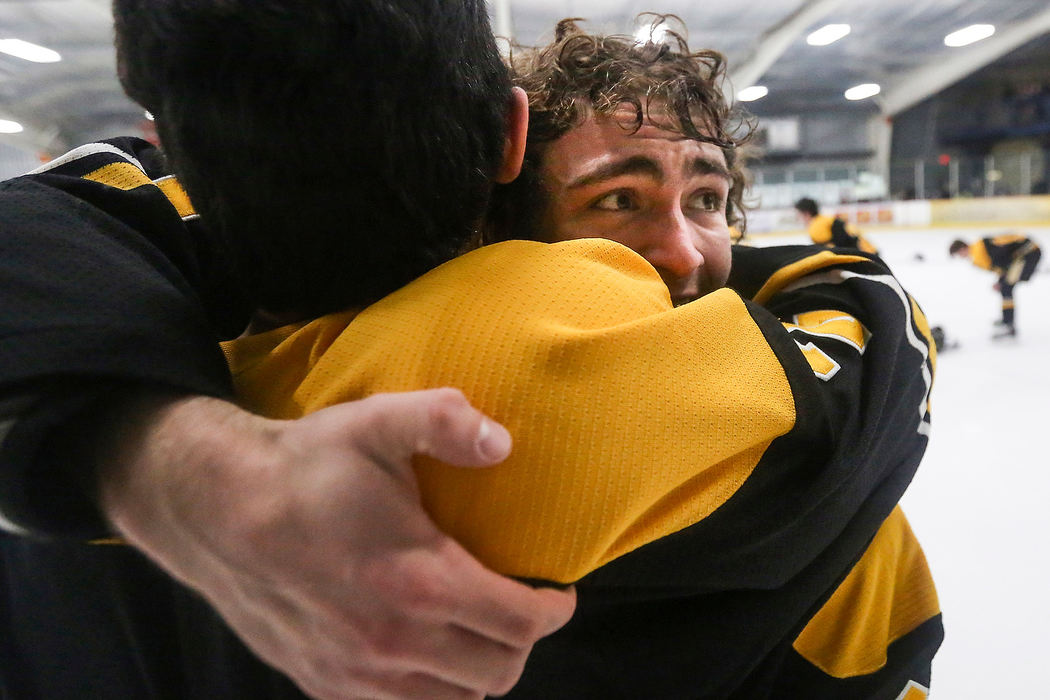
1013	257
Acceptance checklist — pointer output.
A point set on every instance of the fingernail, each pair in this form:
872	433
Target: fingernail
493	441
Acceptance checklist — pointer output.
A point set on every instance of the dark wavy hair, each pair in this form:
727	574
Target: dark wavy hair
579	76
336	149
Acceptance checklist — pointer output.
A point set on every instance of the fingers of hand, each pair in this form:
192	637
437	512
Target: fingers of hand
446	584
394	686
409	651
456	620
511	612
439	423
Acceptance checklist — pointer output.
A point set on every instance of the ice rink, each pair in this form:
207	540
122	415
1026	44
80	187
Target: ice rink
979	503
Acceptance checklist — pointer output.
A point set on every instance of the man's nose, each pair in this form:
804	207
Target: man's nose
673	247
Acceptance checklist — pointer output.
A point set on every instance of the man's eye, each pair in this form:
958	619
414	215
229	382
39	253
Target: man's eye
706	201
617	201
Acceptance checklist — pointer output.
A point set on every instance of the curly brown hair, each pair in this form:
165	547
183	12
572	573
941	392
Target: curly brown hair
580	75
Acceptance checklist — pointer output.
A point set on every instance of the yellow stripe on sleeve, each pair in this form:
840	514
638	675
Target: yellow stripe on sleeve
125	176
888	594
172	189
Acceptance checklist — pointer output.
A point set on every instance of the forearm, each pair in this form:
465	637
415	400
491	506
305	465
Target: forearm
169	468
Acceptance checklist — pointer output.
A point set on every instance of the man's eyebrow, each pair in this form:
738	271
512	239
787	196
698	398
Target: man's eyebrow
708	166
643	165
635	165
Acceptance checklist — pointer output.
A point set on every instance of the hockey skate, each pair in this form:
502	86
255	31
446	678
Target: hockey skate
1007	330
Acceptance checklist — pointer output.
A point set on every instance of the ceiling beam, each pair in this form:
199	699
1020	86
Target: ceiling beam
944	70
778	39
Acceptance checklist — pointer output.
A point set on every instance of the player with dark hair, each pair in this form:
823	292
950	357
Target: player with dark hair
1014	257
407	164
708	463
334	150
831	230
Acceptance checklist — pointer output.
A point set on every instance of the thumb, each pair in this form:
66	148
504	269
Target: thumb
438	423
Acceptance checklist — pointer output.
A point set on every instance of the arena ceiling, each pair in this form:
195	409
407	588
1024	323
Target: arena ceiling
897	44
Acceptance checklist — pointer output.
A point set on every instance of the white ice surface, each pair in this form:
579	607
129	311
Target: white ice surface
980	503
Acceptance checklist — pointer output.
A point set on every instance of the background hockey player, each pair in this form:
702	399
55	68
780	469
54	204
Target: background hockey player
1014	257
831	230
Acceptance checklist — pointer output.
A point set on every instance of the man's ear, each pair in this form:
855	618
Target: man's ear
514	142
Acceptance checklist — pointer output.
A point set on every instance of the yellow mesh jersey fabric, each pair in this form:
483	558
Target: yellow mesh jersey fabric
631	419
887	594
123	176
172	189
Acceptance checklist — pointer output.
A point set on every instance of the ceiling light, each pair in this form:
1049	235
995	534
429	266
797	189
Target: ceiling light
860	92
969	35
29	52
9	127
828	34
750	94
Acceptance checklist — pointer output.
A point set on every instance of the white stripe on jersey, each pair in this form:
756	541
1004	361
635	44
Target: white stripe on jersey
88	149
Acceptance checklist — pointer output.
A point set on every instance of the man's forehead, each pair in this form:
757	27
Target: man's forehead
652	132
600	138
